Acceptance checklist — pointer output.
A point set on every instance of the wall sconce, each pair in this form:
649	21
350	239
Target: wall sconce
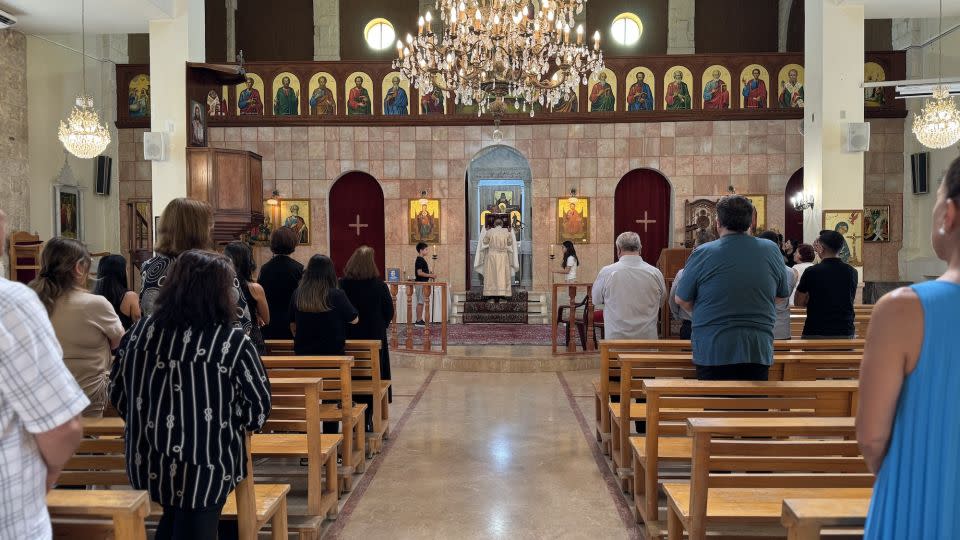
423	197
802	201
274	199
573	196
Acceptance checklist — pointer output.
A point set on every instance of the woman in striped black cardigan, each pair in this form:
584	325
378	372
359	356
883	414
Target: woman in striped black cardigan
188	383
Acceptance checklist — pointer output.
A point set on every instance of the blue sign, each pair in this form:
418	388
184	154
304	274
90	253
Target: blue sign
393	275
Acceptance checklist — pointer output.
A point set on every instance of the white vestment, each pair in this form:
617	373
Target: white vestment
497	261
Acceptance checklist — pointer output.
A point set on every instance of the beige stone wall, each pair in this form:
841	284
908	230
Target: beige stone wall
14	164
699	158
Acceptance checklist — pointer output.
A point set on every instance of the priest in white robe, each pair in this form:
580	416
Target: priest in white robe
497	260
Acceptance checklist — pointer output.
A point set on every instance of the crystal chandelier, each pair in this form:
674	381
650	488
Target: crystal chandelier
937	125
83	135
490	49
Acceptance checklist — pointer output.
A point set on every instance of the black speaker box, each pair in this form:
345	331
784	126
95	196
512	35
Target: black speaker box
919	170
104	164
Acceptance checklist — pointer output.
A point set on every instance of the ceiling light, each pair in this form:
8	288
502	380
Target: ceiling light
83	135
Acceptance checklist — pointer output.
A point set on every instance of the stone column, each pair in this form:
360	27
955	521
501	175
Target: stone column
14	160
326	30
833	98
113	47
680	27
231	30
783	24
172	42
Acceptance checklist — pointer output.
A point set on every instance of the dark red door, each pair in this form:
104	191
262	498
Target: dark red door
642	205
793	220
356	218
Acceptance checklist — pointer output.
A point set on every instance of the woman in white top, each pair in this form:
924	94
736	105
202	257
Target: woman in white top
803	256
569	262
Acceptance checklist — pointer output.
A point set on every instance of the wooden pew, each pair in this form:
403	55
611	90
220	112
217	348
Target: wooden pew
336	403
796	458
861	323
293	431
610	351
805	518
126	509
670	403
367	381
101	462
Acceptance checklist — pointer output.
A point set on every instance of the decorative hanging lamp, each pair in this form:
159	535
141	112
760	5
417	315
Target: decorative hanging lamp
83	135
937	125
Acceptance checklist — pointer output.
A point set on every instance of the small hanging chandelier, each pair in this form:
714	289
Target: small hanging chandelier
83	135
937	125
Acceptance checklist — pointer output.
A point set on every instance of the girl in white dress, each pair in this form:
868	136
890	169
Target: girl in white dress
569	262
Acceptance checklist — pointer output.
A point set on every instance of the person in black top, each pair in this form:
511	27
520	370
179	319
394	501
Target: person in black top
422	271
112	285
827	291
188	383
279	278
319	311
242	257
371	297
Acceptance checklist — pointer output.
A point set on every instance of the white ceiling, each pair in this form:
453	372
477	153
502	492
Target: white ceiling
905	9
102	16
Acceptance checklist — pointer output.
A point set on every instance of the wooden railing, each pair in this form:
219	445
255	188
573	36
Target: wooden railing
583	326
430	342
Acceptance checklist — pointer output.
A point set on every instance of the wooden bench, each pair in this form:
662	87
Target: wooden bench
670	403
805	518
101	462
610	351
336	403
739	480
861	322
126	510
367	381
293	431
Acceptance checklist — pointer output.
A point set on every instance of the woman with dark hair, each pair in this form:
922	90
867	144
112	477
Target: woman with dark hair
188	383
185	224
112	285
86	325
569	262
319	311
803	258
908	422
371	297
279	278
242	257
789	249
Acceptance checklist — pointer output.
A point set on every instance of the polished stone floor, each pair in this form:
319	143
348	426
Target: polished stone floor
486	455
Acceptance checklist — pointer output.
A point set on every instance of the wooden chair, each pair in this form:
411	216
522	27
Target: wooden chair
101	462
670	403
805	518
743	468
24	250
126	510
293	431
336	403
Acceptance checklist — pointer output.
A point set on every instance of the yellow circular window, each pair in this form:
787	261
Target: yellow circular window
626	29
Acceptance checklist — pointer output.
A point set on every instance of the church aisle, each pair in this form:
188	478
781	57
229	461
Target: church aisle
488	455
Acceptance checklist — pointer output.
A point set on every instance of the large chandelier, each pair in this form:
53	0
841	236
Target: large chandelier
937	125
490	49
83	135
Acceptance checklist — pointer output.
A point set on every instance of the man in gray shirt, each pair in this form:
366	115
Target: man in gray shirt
631	292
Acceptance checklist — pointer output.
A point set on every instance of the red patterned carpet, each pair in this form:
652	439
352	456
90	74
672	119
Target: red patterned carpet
486	334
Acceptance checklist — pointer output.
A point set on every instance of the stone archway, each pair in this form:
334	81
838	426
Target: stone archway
642	203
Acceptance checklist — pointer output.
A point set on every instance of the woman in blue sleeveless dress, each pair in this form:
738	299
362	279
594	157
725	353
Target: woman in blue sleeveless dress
908	423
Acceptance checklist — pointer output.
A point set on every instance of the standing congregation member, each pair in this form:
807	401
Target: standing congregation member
184	224
781	328
188	384
370	296
827	291
682	315
241	256
279	278
570	262
422	274
803	257
908	422
319	311
730	286
112	285
631	292
40	404
86	325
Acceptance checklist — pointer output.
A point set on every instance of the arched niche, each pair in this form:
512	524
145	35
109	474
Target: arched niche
643	203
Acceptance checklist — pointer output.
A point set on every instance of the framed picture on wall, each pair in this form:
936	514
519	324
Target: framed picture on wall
849	223
198	124
876	223
573	220
68	211
424	219
292	213
759	203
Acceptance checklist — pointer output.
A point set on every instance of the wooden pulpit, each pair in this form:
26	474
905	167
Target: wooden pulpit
232	182
670	262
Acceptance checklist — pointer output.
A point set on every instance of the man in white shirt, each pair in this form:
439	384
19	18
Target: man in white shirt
40	404
631	292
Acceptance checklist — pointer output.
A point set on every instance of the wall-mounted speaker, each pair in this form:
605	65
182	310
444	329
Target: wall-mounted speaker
920	170
858	137
104	165
155	146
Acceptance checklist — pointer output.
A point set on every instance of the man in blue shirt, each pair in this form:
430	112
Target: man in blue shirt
730	286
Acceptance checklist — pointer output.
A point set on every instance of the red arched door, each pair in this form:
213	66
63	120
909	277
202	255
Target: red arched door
793	220
356	218
642	204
